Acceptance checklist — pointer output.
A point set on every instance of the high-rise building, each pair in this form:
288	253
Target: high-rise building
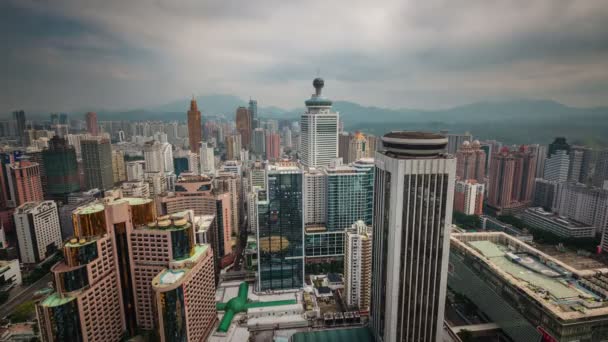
207	159
38	231
97	163
544	194
468	197
582	203
344	146
358	148
471	162
511	180
414	193
315	198
577	156
192	192
230	183
194	127
253	112
19	118
599	178
23	183
233	147
61	168
173	284
119	173
350	193
456	140
257	175
92	127
135	170
126	270
557	164
138	189
286	140
258	143
273	146
319	129
358	266
279	236
243	125
540	152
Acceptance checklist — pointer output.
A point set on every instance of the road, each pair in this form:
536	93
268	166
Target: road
21	294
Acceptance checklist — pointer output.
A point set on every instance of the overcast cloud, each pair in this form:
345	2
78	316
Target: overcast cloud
65	55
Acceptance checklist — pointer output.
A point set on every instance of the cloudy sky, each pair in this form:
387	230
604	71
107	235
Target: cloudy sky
65	55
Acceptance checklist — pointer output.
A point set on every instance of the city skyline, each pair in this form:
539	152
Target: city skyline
398	55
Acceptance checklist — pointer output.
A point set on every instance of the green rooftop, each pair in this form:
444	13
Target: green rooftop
91	209
56	300
556	286
350	335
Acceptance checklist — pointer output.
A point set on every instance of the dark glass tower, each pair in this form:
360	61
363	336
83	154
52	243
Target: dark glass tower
61	168
280	233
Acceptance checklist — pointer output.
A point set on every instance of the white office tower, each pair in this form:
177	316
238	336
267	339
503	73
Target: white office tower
557	166
154	157
207	159
315	197
319	137
135	170
38	231
414	194
358	265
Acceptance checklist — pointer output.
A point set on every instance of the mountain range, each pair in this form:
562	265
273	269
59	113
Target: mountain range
512	122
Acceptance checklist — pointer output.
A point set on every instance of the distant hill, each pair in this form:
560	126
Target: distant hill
514	121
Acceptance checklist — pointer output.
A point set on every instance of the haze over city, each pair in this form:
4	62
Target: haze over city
73	55
229	171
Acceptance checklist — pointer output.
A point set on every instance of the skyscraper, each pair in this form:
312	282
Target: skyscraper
92	127
233	147
119	172
511	180
414	189
557	164
344	146
471	162
456	140
319	129
279	236
358	148
19	118
273	146
468	197
194	127
61	168
253	112
207	159
243	125
358	266
97	163
38	230
258	144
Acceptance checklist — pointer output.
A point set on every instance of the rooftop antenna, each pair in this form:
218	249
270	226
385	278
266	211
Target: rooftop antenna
318	71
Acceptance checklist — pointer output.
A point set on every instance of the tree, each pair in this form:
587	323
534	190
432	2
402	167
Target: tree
23	312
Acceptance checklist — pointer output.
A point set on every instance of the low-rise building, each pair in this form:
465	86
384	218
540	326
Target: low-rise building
558	225
527	293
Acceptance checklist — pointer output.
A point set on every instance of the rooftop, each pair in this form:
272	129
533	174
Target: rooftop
56	300
552	284
349	334
90	209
